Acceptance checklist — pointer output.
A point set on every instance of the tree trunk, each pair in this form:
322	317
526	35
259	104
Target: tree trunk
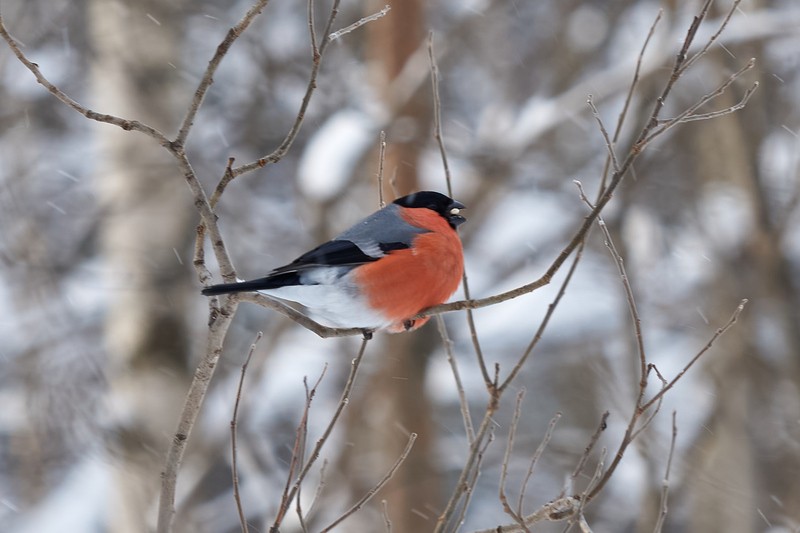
143	237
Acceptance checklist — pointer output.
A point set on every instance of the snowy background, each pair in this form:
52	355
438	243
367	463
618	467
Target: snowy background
103	322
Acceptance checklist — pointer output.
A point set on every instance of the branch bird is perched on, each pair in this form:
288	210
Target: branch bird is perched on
380	273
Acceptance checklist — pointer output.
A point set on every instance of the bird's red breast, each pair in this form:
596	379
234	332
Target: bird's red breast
406	281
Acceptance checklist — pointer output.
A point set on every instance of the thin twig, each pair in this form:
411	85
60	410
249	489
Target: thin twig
544	323
301	449
381	159
662	515
692	60
378	486
512	431
631	301
318	492
463	484
298	449
629	98
437	113
535	460
722	112
125	124
609	143
692	110
234	463
473	480
357	24
312	31
556	510
721	331
589	447
462	396
641	408
278	153
437	134
315	452
385	512
213	64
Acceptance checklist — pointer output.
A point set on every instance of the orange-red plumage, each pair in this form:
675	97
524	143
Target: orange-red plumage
405	282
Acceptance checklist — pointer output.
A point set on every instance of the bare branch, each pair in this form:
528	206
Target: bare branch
512	430
211	69
662	515
437	133
717	334
462	396
218	328
385	511
299	447
722	112
692	110
556	510
545	321
590	446
381	159
125	124
312	31
357	24
466	477
629	97
609	143
692	60
315	452
535	460
234	464
277	154
368	496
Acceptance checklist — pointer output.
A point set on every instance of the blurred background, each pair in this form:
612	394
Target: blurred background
103	322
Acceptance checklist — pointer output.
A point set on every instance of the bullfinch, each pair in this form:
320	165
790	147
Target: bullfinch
380	273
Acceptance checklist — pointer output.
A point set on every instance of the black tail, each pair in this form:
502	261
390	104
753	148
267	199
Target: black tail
270	282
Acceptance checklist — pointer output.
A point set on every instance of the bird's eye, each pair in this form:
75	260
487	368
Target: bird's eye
455	211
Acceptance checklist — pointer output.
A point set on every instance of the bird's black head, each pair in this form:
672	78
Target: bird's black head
444	205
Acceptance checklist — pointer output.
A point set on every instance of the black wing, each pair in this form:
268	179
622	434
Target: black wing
334	253
331	253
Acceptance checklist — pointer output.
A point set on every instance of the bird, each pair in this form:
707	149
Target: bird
380	273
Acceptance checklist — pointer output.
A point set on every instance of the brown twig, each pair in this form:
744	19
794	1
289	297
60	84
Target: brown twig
717	334
357	24
381	160
213	64
278	153
711	40
512	431
690	113
234	422
218	328
437	134
385	512
315	452
378	486
473	478
463	483
587	452
535	461
462	396
125	124
299	446
663	508
543	324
